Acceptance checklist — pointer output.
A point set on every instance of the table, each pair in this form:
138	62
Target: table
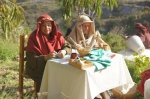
63	81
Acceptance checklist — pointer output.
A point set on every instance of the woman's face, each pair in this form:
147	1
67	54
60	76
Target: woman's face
46	27
86	27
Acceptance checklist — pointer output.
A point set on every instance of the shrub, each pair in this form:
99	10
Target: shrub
8	50
115	41
136	67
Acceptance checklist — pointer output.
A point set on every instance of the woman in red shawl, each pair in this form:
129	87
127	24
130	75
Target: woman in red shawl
143	33
44	43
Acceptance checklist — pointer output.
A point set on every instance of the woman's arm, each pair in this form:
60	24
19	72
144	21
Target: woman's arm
102	43
65	50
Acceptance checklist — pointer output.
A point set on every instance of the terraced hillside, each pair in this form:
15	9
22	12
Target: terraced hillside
126	11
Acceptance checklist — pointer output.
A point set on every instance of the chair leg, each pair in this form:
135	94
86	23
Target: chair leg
35	89
20	85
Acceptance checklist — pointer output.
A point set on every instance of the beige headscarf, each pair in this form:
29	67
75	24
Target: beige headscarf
77	34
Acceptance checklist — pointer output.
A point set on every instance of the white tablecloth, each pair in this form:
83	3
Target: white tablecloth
63	81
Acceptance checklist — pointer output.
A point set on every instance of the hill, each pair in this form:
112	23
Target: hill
34	8
128	12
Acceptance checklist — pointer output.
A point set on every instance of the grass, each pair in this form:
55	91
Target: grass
9	80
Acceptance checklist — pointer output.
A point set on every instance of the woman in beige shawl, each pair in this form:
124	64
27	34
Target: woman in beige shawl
84	33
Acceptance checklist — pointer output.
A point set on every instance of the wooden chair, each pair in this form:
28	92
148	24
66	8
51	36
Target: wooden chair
22	60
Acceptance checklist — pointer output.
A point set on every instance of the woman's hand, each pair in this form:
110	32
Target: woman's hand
50	55
61	53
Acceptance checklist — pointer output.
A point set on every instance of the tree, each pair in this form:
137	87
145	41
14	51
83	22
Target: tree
93	7
10	16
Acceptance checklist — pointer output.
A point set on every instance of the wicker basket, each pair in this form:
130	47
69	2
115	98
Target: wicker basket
129	95
83	52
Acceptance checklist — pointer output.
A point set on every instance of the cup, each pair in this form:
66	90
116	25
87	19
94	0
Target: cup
73	55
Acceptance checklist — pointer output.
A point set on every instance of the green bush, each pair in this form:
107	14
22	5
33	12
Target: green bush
115	41
8	50
136	67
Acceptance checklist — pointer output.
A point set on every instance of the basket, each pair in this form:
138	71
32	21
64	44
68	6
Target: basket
106	47
86	64
84	51
129	95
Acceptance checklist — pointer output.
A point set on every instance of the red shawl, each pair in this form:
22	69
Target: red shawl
39	44
145	75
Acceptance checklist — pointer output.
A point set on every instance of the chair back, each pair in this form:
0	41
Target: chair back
22	59
22	48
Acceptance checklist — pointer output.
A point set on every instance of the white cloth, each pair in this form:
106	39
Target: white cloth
128	54
147	89
63	81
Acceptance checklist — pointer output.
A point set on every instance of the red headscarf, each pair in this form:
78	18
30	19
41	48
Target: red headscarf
143	33
141	30
39	44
